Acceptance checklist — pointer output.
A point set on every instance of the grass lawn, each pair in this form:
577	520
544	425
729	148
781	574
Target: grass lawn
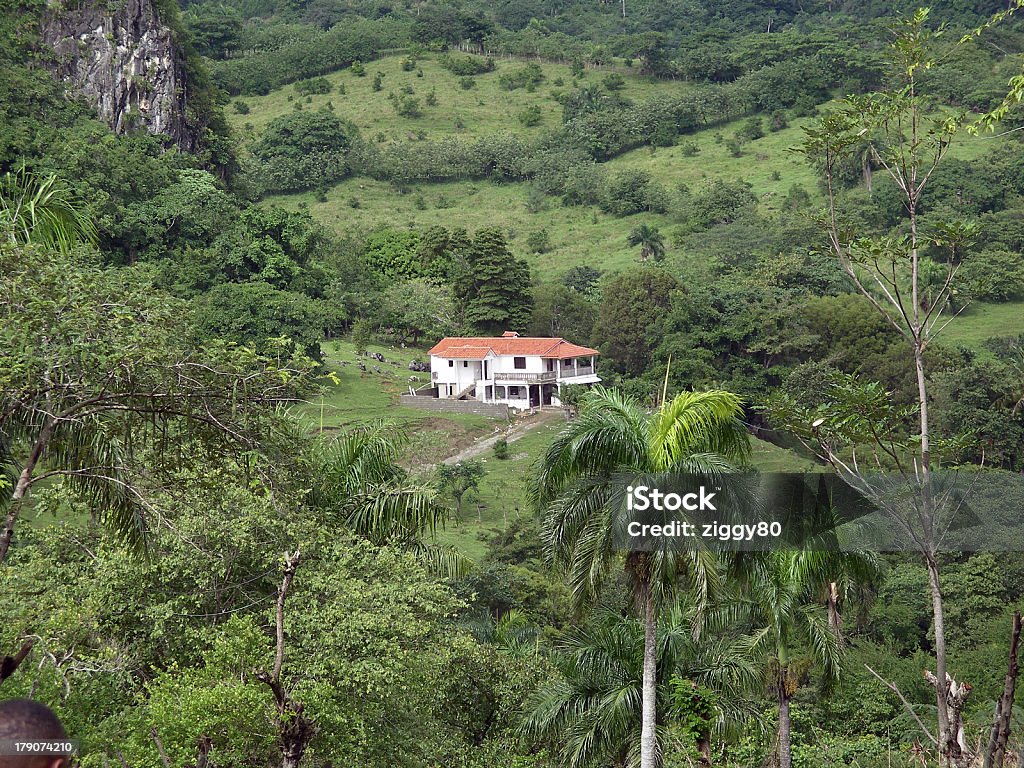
982	321
360	398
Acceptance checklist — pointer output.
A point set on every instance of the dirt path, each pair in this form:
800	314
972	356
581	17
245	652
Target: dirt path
519	428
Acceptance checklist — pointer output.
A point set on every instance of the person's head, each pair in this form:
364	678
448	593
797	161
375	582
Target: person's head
32	721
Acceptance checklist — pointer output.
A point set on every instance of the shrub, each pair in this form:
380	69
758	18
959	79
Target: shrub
467	83
358	69
241	107
407	106
613	82
632	191
432	98
501	448
314	85
378	81
531	116
466	65
539	241
751	130
528	77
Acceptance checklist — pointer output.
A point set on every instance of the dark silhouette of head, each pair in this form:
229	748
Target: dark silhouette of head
32	721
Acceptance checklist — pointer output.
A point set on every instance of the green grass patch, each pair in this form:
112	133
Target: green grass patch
982	321
578	235
362	397
485	109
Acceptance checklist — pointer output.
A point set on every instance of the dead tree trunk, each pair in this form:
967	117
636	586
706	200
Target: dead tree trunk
294	729
953	743
1000	734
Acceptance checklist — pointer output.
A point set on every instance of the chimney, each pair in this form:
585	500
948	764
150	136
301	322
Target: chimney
510	335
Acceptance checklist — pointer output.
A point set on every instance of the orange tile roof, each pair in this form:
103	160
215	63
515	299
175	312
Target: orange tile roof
476	347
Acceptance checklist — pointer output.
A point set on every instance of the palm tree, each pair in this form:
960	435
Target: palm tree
592	710
358	482
42	211
652	244
791	630
579	502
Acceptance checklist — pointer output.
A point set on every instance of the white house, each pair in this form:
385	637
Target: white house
524	372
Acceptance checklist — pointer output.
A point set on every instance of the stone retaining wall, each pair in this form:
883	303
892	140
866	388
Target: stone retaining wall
495	410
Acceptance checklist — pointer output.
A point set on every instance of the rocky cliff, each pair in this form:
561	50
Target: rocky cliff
125	61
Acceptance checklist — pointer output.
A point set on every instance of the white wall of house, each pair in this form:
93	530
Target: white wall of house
453	376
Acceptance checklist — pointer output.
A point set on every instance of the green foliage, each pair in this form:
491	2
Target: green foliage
539	241
632	302
652	244
317	85
531	116
633	191
93	381
993	276
300	151
256	313
459	479
501	448
720	202
491	285
466	66
613	82
528	77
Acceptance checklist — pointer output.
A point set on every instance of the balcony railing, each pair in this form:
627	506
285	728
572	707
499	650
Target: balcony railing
538	377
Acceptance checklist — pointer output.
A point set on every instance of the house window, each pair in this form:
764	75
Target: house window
451	363
465	363
513	391
519	362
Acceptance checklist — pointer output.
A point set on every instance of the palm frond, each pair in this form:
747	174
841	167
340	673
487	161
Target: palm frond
699	423
42	211
442	560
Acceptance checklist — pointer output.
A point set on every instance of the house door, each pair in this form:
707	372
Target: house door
534	395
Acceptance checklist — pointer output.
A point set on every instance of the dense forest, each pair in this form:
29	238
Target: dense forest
794	231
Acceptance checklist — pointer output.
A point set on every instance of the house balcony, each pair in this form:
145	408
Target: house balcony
538	377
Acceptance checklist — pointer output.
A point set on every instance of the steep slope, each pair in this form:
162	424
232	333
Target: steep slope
124	59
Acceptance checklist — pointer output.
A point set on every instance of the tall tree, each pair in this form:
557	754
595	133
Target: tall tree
632	302
492	287
579	503
909	141
592	710
790	629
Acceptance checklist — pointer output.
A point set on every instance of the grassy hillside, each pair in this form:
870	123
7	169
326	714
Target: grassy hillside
578	235
486	108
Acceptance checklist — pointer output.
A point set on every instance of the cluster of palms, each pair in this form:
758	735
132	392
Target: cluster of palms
734	629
